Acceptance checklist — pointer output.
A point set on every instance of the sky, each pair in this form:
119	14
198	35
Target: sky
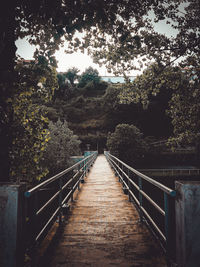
78	59
65	61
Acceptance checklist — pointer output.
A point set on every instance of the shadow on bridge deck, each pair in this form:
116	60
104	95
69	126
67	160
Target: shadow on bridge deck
103	228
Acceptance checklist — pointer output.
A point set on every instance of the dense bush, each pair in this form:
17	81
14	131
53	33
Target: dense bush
62	145
127	143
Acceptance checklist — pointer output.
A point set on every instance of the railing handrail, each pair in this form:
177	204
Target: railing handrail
55	177
164	188
169	170
159	142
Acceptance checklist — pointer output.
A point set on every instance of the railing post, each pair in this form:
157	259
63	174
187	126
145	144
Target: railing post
166	208
140	196
60	200
79	167
72	195
168	232
118	166
122	168
72	189
82	172
187	210
34	230
129	184
84	168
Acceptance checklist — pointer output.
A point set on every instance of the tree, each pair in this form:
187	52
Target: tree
141	43
72	75
61	80
184	109
127	143
153	80
62	145
45	22
64	89
89	75
182	90
30	132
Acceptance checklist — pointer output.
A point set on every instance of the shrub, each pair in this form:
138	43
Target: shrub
62	145
127	143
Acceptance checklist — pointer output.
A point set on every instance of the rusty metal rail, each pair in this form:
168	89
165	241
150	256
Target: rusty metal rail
49	200
133	184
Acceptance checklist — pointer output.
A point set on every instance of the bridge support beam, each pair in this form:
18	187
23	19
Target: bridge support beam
187	223
11	225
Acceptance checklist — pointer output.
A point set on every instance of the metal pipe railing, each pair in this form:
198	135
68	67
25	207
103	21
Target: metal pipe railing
124	171
55	177
172	172
145	177
63	186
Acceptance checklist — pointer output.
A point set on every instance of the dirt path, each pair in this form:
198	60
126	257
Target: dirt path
103	228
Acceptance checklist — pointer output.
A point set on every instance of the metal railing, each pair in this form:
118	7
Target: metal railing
148	195
48	201
159	143
171	172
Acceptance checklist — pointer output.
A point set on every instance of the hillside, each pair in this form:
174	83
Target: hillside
91	114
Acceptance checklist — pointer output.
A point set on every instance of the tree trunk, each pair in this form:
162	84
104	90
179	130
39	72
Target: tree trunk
7	77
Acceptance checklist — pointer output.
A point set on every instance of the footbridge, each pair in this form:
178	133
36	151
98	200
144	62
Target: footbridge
104	228
102	212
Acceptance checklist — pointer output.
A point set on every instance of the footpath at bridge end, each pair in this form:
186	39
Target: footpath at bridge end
103	228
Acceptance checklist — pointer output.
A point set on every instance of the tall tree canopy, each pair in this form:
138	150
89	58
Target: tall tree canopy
141	43
46	21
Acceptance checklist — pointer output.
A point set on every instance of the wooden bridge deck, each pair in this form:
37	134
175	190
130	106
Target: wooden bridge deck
103	228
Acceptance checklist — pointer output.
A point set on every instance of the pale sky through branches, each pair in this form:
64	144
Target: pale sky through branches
80	60
65	61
